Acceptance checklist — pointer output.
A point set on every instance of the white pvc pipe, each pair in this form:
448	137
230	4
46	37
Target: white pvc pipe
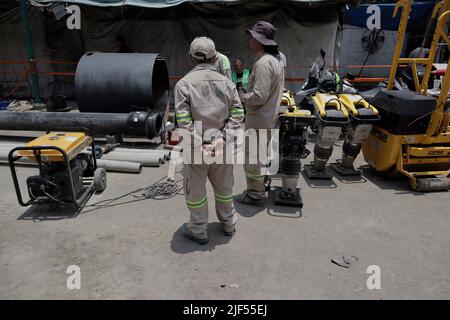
119	166
4	157
166	153
108	165
147	160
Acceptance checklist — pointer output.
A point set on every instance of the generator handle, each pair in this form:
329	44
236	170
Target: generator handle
11	160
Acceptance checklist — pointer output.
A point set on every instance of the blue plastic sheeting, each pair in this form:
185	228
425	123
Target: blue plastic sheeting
357	16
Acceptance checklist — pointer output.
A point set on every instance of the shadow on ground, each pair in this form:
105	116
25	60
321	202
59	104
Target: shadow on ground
269	207
49	212
350	179
182	245
247	211
397	183
319	183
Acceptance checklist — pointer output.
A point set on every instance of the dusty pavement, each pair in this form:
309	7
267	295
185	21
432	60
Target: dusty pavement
135	250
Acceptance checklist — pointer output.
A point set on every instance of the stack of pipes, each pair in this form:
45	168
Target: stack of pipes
147	157
126	160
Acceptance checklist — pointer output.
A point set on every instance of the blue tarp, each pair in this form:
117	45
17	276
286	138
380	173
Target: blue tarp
357	16
169	3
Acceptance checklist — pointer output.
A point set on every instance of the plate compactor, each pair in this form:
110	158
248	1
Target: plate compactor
333	117
362	116
338	108
68	173
293	136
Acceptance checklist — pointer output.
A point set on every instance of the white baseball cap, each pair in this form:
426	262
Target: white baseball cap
202	48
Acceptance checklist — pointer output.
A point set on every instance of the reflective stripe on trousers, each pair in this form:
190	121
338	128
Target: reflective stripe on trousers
222	180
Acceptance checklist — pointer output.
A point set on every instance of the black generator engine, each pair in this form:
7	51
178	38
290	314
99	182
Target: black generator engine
68	173
52	183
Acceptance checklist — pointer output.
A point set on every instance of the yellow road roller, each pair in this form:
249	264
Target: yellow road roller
413	135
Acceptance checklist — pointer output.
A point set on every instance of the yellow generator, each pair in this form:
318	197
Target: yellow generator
68	173
413	136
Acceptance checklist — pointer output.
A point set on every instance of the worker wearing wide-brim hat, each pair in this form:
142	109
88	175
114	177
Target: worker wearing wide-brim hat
261	100
206	96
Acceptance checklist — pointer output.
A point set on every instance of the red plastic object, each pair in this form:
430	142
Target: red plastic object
439	72
173	138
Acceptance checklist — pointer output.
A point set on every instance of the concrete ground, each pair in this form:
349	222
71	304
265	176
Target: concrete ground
134	250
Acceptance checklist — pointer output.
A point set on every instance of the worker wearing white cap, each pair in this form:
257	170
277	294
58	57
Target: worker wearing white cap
207	96
262	101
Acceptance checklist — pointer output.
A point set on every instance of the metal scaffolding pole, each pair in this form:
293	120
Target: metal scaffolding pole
29	48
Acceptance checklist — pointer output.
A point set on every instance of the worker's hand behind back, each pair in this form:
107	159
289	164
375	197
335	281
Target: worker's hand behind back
215	148
219	146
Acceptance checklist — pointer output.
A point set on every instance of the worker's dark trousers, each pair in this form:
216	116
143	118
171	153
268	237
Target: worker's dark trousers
222	180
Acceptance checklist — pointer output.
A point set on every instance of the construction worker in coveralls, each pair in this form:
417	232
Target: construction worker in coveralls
262	102
206	96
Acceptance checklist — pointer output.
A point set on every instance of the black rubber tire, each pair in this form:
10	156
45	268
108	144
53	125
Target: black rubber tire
100	180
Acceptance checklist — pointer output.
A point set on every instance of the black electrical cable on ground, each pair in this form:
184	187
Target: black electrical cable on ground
160	190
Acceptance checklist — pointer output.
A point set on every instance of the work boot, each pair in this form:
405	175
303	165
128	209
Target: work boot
246	199
229	233
189	235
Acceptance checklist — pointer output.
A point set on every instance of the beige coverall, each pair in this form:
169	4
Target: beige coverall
262	102
206	95
222	65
